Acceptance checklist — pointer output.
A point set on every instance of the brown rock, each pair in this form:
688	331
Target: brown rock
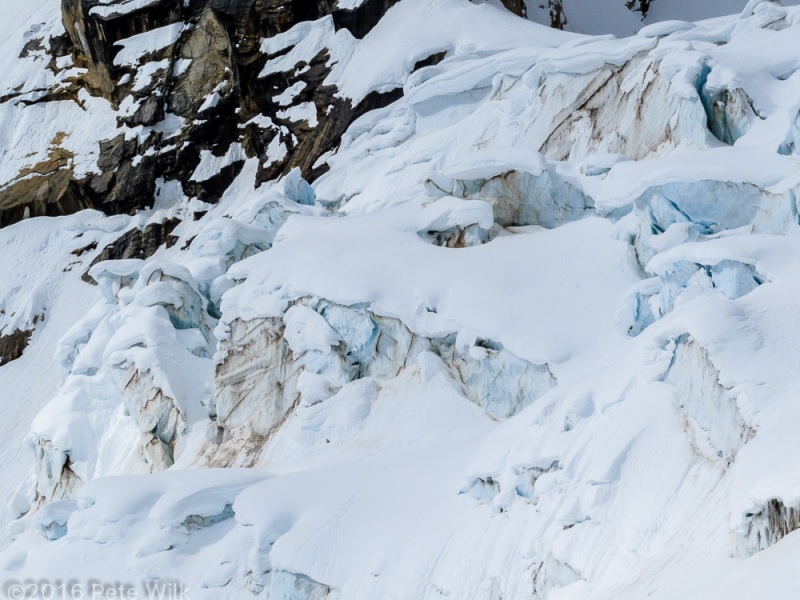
13	345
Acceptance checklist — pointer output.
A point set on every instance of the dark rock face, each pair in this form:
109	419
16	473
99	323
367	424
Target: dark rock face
137	243
95	27
210	52
46	189
203	94
48	194
517	7
213	82
558	18
361	20
771	524
13	345
640	6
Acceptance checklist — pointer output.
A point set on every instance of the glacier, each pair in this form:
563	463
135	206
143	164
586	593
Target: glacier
485	310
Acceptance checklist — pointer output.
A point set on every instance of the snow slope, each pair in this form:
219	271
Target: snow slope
41	282
532	335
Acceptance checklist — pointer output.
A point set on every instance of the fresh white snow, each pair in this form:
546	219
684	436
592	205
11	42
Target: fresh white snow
643	320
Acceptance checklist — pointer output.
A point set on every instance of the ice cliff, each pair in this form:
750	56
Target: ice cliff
418	299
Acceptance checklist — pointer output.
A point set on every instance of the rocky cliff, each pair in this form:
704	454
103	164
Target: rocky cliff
195	83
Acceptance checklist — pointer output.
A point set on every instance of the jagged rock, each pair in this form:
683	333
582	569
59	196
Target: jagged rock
266	18
95	26
210	70
12	345
127	181
46	189
213	71
136	243
32	46
210	76
150	112
768	526
640	6
517	7
51	195
112	152
558	18
363	18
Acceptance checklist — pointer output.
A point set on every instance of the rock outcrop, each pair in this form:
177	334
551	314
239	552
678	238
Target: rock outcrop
43	190
768	526
192	79
12	345
136	243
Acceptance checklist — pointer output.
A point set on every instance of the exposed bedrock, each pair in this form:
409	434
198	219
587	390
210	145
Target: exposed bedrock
47	189
767	526
518	7
640	6
13	344
136	243
95	26
201	86
556	14
208	51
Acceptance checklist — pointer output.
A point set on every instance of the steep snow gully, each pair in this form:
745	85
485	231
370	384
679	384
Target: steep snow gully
405	300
